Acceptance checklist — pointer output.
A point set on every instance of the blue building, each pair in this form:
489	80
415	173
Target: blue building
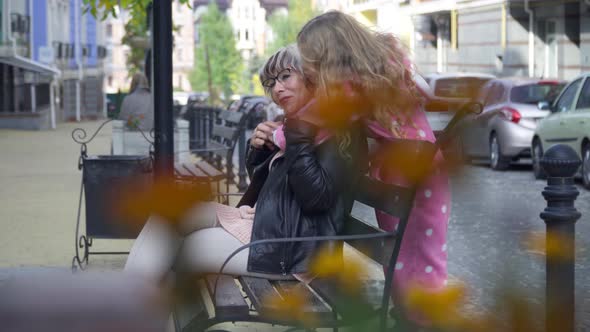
50	63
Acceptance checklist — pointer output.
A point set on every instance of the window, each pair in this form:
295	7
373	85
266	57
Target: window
534	93
246	34
109	30
584	99
564	103
458	87
110	80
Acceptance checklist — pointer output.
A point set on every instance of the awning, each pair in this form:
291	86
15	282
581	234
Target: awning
28	64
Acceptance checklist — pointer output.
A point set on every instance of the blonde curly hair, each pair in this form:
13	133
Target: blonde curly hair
335	48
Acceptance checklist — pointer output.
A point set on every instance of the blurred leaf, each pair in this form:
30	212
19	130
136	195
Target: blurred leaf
165	197
290	306
553	245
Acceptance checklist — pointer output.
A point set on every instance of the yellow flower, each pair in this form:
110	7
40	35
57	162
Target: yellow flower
165	197
551	244
329	264
438	307
290	306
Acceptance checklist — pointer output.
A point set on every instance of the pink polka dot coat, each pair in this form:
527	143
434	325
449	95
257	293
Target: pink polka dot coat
423	256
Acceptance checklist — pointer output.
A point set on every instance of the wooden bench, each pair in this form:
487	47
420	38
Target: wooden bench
221	144
226	292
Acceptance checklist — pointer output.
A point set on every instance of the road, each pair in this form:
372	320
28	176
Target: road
492	215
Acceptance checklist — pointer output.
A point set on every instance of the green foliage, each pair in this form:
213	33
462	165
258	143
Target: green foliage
285	28
218	65
135	29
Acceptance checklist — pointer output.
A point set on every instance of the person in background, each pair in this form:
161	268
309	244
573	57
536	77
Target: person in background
137	108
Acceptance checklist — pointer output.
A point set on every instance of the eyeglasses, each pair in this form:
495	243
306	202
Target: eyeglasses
282	77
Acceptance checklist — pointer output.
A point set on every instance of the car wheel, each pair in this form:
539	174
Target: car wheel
537	155
586	166
498	161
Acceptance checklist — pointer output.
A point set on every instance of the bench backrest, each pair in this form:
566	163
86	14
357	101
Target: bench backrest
393	200
227	129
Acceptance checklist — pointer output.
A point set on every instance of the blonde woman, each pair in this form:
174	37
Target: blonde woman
342	57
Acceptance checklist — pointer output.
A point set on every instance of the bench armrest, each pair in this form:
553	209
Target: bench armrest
304	239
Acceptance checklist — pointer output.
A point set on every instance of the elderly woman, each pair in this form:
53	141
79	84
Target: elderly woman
286	162
137	109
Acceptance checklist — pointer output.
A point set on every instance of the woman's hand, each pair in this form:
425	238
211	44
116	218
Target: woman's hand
246	212
263	135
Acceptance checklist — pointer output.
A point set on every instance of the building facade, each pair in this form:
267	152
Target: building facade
249	20
50	63
549	39
117	77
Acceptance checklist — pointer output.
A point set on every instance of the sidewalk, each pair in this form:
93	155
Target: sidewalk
39	190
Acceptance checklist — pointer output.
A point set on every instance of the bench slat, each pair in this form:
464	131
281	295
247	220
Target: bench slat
192	169
231	116
228	301
216	148
181	171
314	305
258	290
224	132
211	171
379	250
391	199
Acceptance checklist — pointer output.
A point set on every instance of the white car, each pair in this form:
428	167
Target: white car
568	123
453	87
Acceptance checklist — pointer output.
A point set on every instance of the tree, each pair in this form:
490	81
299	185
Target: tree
136	27
286	27
218	65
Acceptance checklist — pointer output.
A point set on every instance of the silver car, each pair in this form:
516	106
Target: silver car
504	130
454	88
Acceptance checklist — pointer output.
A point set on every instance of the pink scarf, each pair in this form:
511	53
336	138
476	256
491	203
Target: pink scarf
278	135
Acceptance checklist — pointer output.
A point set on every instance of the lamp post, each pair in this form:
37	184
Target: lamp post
162	88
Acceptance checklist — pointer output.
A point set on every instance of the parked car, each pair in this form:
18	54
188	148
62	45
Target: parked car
503	131
568	123
453	87
255	106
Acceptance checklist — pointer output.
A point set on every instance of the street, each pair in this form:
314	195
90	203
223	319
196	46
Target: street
492	215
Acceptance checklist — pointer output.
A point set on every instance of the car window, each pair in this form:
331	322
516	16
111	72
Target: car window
534	93
584	99
564	103
459	87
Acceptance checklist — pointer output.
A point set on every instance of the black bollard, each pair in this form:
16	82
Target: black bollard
560	163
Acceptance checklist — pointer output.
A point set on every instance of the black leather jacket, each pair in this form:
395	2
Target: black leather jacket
308	192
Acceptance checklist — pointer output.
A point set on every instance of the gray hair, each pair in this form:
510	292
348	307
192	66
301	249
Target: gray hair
139	80
286	57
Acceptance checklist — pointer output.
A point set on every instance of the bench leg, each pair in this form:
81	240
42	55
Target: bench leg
335	316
